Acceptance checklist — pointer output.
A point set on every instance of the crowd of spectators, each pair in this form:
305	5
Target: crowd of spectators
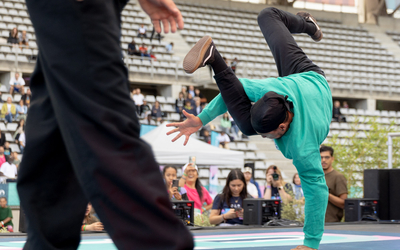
15	38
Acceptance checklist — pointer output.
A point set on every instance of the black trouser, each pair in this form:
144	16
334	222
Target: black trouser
82	137
276	26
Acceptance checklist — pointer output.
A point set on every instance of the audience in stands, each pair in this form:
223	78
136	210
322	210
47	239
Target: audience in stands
227	208
23	39
27	97
180	103
13	37
8	169
197	108
169	47
21	142
345	105
5	215
145	111
337	185
17	84
225	123
251	188
337	115
191	91
297	190
142	31
195	190
20	129
188	108
90	222
8	110
132	50
198	94
223	140
190	99
170	173
184	91
16	161
158	35
234	64
254	182
156	112
22	110
138	98
7	149
276	187
206	136
3	157
2	138
143	50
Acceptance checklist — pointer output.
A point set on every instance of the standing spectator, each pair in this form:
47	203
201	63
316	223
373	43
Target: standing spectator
180	103
156	112
19	130
16	161
5	215
191	91
195	191
90	222
337	115
27	97
138	98
142	31
277	188
7	149
337	185
175	193
198	108
8	169
22	142
223	140
297	190
234	64
226	123
3	158
17	84
2	138
21	110
158	36
132	50
206	136
251	188
190	99
8	110
23	39
227	207
13	37
169	47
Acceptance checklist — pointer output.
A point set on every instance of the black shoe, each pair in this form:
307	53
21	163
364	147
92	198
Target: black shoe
200	55
309	18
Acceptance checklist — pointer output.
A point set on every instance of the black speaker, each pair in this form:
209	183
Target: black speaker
260	211
361	209
184	210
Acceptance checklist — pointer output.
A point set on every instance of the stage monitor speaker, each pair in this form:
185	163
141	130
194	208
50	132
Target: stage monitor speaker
184	210
260	211
361	209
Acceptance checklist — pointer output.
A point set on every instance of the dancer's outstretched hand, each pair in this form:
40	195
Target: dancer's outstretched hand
191	125
164	11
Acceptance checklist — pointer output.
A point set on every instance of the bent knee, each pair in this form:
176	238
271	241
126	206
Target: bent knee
267	12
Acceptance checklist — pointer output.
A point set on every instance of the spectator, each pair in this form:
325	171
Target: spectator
191	91
21	110
227	208
184	91
337	115
21	142
7	149
132	50
223	140
3	157
169	47
138	98
23	39
5	215
156	112
251	188
8	110
143	50
158	36
297	190
17	84
90	222
276	187
337	185
345	105
255	183
2	138
198	108
175	193
13	37
180	103
191	99
19	130
189	108
198	94
195	191
16	161
225	123
27	97
8	169
207	137
145	111
234	64
142	31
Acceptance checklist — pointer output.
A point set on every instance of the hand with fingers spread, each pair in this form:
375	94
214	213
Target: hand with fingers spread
164	11
191	125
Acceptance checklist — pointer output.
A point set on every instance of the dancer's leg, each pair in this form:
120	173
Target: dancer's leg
277	26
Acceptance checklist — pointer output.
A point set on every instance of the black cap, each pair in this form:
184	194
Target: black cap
270	111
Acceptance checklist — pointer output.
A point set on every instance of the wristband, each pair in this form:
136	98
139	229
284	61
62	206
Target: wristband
184	174
269	187
84	228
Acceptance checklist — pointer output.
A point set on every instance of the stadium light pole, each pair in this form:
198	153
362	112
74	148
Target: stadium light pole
390	147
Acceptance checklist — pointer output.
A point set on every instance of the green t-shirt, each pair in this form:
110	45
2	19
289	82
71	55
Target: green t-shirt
5	213
312	108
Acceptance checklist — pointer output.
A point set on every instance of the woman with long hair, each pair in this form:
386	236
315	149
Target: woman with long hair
227	206
276	187
20	129
13	37
175	193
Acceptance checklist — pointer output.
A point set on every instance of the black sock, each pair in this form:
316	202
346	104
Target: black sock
218	63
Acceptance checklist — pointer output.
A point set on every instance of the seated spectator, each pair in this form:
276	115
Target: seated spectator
8	111
142	31
23	39
16	161
345	105
227	208
225	123
190	99
27	97
13	37
7	149
251	188
145	111
19	130
191	91
143	50
234	64
206	136
5	215
138	98
195	190
189	108
277	188
254	182
21	111
297	190
337	115
198	108
223	140
8	169
2	138
3	157
17	84
21	142
175	193
90	222
156	112
180	103
169	47
132	50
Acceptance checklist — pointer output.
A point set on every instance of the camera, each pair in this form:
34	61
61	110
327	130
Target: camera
275	176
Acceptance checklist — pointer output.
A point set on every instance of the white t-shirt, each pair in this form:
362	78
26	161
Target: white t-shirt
9	170
22	138
252	190
142	30
223	138
138	99
14	81
9	107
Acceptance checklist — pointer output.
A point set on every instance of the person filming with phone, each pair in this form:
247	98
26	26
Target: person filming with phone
276	187
170	178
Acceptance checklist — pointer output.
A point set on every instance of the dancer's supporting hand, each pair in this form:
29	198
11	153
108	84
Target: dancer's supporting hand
191	125
164	11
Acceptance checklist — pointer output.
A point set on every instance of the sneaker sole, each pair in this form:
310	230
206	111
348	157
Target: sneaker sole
195	58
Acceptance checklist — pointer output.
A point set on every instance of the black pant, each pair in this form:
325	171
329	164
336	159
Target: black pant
82	137
276	26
